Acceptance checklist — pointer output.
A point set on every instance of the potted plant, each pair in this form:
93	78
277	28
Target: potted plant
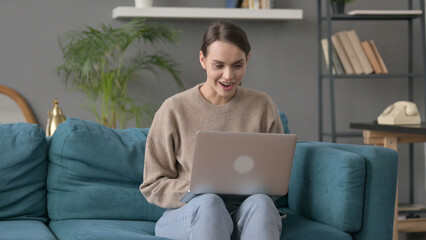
96	62
338	6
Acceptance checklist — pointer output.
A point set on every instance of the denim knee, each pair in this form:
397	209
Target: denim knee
209	199
210	217
210	204
260	203
257	218
259	200
204	217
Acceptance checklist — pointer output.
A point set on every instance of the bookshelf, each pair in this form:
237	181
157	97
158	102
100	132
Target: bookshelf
326	20
207	13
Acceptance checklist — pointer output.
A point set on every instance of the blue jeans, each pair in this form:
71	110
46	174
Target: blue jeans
207	217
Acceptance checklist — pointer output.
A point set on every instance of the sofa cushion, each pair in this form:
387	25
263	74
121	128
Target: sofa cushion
284	121
82	229
327	185
95	173
23	169
24	230
296	227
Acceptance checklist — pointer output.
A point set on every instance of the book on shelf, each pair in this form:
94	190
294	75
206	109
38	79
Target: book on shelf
352	55
379	57
336	62
371	57
234	3
344	60
337	66
359	51
256	4
266	4
245	4
350	52
385	12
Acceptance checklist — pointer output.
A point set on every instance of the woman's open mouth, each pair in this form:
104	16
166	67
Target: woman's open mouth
226	86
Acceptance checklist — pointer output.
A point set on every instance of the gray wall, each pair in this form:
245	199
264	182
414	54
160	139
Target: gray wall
283	63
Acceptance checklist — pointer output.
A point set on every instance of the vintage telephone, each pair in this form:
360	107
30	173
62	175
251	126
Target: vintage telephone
400	113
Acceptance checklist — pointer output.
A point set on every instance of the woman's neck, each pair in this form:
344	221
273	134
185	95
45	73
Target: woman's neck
213	97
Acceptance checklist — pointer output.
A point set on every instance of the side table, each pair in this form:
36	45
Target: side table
390	136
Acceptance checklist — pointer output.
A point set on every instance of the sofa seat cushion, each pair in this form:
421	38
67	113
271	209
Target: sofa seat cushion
23	170
103	229
327	185
95	173
296	227
24	230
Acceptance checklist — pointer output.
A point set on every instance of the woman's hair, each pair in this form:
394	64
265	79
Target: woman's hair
227	32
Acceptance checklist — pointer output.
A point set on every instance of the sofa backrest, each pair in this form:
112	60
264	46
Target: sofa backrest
284	121
23	166
95	173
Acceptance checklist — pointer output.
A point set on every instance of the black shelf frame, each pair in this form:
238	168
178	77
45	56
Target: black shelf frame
409	76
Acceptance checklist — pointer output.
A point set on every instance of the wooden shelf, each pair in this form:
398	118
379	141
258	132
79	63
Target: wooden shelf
376	76
208	13
345	17
409	207
412	225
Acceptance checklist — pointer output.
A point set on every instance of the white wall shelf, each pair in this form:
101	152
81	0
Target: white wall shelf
208	13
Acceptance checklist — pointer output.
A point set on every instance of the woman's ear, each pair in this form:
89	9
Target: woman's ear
202	60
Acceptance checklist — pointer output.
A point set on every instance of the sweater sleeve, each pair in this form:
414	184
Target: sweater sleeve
277	127
162	185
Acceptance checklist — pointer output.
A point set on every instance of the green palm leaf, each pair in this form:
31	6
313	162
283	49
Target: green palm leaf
94	62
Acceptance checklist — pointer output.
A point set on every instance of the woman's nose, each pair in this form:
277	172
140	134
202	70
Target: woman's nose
228	74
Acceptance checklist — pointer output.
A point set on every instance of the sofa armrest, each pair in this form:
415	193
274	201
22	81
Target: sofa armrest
350	187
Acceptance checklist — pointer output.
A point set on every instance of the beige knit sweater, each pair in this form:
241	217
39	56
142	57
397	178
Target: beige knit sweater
171	140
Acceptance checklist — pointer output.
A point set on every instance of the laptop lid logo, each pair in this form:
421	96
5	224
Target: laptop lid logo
244	164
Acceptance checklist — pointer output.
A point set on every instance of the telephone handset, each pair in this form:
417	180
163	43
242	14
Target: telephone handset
400	113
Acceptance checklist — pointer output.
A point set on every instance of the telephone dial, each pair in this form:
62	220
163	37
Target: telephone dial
400	113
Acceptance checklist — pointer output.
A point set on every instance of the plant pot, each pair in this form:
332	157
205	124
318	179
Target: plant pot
143	3
338	7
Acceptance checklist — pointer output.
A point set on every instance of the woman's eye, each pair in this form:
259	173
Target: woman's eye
218	65
238	66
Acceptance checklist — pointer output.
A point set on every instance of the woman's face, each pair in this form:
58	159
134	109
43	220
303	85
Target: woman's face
225	65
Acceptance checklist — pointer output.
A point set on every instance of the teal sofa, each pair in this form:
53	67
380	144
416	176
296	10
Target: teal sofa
82	183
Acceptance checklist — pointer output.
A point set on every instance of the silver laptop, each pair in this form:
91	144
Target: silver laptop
241	164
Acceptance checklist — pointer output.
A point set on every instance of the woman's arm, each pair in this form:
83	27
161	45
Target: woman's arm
162	185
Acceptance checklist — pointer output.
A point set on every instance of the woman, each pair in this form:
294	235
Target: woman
218	104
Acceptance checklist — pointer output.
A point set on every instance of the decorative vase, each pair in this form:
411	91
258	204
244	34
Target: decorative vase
143	3
56	117
338	7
